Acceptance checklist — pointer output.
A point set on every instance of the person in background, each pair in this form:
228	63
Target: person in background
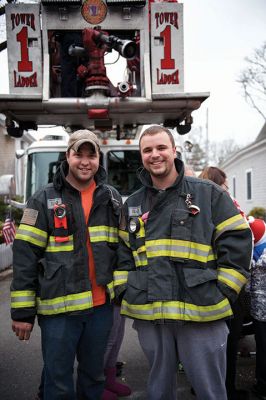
63	259
219	177
235	324
258	302
183	257
215	175
189	171
113	388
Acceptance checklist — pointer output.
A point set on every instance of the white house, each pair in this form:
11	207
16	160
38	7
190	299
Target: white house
246	172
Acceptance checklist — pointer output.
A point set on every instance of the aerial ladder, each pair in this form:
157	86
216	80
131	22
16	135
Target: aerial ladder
57	73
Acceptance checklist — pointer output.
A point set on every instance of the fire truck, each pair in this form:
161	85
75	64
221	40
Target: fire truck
57	72
121	159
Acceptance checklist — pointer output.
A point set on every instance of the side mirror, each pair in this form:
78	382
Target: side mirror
15	132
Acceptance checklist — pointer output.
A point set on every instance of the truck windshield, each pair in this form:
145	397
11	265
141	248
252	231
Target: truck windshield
122	167
41	169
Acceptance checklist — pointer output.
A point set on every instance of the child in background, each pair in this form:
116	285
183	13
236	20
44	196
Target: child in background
258	303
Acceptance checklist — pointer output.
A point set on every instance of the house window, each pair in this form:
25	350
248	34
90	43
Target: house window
249	184
234	186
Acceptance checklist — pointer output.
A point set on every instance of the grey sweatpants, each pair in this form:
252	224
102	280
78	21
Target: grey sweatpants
201	348
115	339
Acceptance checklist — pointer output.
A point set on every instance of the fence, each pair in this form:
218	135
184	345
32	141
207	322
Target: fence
6	256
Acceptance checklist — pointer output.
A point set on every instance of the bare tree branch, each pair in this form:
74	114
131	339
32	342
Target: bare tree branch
253	80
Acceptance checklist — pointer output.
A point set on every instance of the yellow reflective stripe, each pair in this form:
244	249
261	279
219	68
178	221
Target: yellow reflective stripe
103	233
110	289
140	258
231	278
120	277
124	236
234	223
141	232
179	248
22	298
240	277
141	249
63	304
176	310
54	246
32	235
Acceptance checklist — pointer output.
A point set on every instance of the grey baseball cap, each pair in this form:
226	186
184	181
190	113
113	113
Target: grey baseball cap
83	136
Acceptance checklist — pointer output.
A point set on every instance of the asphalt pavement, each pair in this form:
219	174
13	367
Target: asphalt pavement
21	362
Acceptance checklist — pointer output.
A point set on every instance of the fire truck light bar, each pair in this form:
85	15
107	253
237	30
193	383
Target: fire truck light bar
61	2
126	2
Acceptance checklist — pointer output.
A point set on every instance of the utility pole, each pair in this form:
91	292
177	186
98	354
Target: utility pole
207	137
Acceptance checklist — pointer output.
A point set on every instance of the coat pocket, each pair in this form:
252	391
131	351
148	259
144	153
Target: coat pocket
137	287
181	225
200	286
51	279
197	276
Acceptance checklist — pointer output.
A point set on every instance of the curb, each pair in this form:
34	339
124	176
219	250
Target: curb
6	273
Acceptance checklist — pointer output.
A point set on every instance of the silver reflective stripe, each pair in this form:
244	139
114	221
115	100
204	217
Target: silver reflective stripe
236	222
140	259
54	246
179	248
32	235
231	278
74	302
22	298
103	234
120	277
176	310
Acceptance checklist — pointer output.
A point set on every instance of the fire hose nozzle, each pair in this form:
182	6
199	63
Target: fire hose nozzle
124	88
126	48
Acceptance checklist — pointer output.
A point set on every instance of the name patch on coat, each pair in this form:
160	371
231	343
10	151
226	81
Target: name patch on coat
134	211
29	216
52	202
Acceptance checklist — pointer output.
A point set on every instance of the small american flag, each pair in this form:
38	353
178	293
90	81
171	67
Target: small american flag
9	230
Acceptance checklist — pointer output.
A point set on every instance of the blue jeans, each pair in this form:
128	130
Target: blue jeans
83	336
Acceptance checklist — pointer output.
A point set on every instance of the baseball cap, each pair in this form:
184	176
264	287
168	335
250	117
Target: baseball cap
83	136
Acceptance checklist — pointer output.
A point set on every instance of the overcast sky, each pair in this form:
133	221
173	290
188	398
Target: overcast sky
218	35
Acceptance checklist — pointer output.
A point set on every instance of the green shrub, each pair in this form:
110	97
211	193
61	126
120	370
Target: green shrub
15	212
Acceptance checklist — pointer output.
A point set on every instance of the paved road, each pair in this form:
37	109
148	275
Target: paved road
20	362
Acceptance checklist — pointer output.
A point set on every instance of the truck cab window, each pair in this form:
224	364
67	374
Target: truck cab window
41	169
122	167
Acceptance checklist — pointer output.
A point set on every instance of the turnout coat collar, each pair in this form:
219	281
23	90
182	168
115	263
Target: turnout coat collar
145	177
